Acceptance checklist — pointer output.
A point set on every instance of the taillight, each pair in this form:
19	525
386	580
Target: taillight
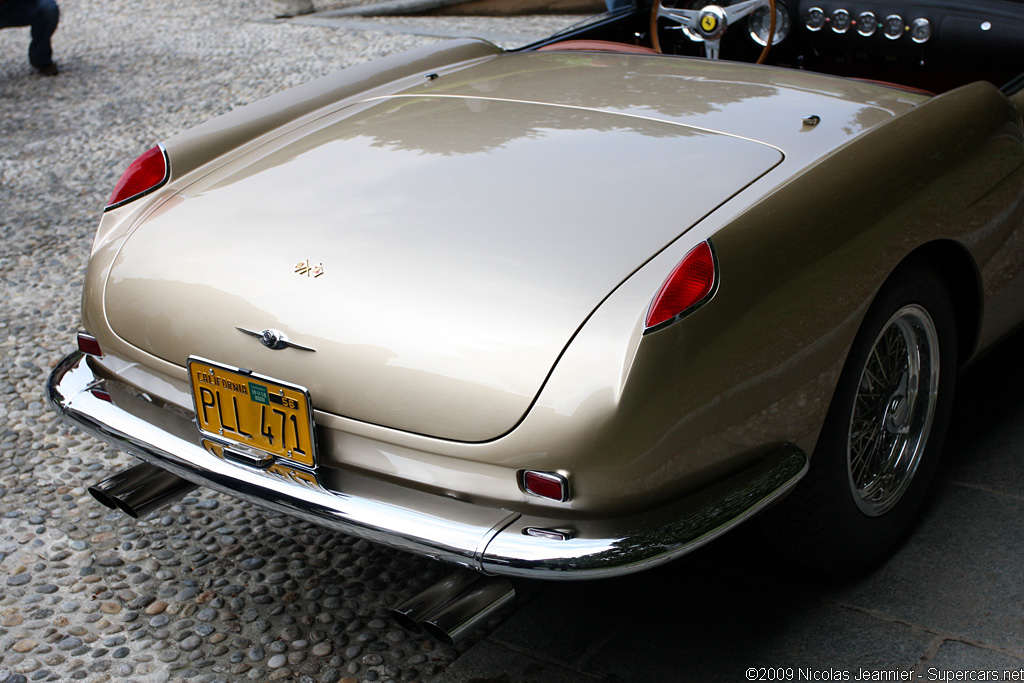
145	174
691	283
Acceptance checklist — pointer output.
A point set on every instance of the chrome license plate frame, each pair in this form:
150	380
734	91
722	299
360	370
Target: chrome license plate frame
263	418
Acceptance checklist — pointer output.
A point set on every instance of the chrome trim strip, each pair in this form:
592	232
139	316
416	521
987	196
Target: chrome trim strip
490	540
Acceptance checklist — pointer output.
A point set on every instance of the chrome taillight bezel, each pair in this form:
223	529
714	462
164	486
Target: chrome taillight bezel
147	190
551	478
693	306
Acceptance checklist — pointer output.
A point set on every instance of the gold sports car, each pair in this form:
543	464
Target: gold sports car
575	309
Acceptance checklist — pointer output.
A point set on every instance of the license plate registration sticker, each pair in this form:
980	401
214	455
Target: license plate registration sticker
236	406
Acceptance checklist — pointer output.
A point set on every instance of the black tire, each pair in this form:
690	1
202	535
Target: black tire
867	477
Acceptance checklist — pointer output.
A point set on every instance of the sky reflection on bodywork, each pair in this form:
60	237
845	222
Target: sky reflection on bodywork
463	242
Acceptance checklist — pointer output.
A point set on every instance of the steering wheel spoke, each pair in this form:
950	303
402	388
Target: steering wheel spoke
684	17
709	23
734	13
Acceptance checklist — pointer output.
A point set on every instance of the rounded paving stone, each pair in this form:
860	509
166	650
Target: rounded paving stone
23	646
155	607
190	643
105	597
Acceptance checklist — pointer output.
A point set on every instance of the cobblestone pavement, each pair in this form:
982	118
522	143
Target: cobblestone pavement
211	588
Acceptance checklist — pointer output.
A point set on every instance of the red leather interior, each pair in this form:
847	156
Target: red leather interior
598	46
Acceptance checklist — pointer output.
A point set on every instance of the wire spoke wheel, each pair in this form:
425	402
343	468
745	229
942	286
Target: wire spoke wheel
893	410
882	437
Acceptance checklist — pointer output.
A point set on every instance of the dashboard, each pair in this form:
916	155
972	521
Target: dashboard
935	45
986	27
931	45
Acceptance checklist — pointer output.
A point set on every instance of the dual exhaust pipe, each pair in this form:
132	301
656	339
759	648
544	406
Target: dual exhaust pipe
140	490
448	610
455	606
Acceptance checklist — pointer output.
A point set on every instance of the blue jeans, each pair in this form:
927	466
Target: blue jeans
616	4
42	16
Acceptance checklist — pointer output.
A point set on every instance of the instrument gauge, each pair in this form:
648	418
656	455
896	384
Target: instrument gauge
920	30
867	23
893	26
814	20
760	22
840	21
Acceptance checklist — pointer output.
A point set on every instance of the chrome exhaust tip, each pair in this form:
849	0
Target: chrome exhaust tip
454	621
455	606
411	613
140	490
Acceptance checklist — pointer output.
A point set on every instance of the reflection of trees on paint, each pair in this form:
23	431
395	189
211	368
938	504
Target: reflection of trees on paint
457	126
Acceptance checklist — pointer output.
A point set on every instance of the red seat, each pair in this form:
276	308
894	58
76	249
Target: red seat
598	46
898	86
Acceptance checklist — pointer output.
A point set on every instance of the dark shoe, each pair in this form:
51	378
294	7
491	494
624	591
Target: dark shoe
47	69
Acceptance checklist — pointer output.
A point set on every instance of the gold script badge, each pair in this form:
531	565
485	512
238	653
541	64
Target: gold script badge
308	269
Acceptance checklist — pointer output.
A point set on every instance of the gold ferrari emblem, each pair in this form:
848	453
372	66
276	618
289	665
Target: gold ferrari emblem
709	22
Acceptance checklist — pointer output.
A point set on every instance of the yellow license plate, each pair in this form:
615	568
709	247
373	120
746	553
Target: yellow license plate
268	415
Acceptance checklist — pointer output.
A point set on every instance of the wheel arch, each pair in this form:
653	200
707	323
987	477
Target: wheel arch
957	269
941	276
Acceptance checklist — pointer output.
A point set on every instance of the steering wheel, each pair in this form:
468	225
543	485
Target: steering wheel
708	24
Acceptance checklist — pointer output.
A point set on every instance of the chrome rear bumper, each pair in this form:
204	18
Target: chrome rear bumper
490	540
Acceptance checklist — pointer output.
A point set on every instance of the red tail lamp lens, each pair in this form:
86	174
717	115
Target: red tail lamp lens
691	281
88	345
146	173
546	485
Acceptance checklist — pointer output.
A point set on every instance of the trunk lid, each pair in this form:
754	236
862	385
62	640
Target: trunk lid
437	252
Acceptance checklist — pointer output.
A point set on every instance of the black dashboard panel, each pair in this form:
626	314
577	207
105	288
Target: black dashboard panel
1000	36
938	44
958	30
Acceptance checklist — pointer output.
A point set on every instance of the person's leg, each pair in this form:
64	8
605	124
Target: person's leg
42	16
44	22
616	4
